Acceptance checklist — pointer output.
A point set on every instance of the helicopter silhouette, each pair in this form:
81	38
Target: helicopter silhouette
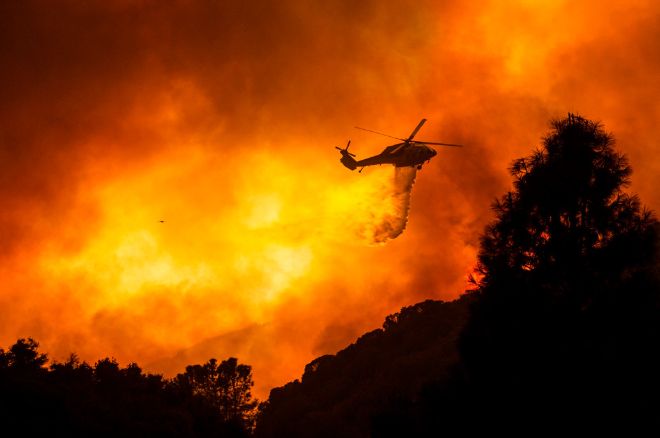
411	152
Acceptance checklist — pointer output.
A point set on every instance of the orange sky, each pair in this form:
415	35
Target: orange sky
221	118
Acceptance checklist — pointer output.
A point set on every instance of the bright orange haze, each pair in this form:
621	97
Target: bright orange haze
221	119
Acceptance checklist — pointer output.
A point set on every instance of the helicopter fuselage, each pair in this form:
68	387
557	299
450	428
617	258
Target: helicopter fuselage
398	155
401	155
410	153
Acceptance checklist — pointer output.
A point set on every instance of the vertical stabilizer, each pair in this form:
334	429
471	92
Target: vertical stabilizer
347	157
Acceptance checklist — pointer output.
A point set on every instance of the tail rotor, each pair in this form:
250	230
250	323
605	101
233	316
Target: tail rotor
344	151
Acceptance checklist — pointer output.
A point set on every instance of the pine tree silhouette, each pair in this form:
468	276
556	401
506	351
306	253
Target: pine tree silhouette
566	321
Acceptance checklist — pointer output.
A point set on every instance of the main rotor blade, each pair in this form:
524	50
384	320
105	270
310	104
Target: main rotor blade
439	144
419	126
380	133
398	148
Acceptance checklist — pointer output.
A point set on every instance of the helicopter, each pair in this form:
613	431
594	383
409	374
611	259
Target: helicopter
410	153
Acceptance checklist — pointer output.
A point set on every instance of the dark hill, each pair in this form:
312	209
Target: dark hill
342	394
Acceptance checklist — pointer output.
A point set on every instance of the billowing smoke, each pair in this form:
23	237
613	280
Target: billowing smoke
220	119
390	220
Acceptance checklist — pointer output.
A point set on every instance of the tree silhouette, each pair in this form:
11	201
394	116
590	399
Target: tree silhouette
566	321
73	398
567	209
227	386
23	355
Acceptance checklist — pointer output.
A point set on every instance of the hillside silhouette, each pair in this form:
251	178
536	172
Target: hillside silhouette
338	393
561	330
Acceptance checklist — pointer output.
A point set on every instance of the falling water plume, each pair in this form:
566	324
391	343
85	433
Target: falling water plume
391	220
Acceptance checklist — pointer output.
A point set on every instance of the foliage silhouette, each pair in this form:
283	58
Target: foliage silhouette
23	356
77	399
227	387
566	322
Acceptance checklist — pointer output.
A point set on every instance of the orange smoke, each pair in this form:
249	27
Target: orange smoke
221	119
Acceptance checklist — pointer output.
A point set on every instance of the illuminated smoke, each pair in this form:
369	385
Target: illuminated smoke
390	220
202	113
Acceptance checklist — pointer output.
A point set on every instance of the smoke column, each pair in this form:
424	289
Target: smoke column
392	220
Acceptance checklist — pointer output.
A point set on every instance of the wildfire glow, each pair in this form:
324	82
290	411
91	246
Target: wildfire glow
222	123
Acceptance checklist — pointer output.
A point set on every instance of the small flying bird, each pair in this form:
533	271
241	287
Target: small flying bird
161	221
